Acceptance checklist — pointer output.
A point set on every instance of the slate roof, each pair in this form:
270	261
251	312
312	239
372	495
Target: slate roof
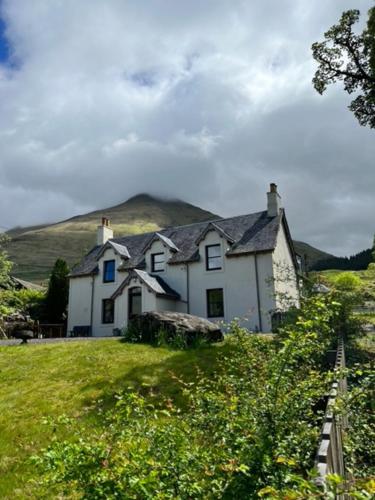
163	239
155	283
119	249
250	233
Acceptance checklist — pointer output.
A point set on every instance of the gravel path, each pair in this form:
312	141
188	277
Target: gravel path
54	341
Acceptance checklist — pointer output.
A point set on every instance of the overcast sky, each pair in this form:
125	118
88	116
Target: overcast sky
208	101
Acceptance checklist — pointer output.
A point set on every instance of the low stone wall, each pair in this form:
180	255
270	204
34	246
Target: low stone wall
330	456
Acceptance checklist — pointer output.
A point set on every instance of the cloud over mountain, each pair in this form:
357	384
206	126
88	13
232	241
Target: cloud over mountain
205	101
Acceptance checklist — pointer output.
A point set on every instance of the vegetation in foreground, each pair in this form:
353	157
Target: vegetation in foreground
39	383
364	288
249	430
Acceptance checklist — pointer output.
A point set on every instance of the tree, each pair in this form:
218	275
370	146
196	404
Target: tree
58	291
349	57
5	263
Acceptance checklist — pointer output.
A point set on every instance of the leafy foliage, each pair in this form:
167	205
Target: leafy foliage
29	302
58	291
349	57
359	406
5	263
252	426
162	337
348	282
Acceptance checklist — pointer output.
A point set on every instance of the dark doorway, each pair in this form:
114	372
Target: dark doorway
135	301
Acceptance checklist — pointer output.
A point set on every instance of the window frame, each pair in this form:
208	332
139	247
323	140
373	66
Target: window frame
208	268
208	303
105	264
104	321
153	255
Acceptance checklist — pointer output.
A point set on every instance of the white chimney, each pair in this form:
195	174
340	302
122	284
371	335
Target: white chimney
105	232
273	201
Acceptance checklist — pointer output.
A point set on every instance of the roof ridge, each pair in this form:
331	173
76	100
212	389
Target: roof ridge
171	228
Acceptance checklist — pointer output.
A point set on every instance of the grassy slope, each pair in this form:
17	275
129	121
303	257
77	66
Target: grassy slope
35	249
48	380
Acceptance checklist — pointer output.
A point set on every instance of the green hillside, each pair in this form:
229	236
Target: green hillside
35	249
310	254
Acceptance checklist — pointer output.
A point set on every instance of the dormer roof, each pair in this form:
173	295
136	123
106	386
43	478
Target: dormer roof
118	248
164	239
155	284
211	226
249	233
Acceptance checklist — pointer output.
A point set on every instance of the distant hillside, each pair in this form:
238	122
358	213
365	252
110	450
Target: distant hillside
35	249
357	262
311	255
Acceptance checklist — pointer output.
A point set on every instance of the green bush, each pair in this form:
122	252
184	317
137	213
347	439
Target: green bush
251	429
161	338
29	302
347	282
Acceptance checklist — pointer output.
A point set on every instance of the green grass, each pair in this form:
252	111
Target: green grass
73	379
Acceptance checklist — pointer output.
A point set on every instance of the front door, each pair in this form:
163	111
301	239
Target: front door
135	301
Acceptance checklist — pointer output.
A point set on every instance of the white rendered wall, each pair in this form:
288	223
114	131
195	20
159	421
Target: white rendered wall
237	278
79	308
104	291
286	283
175	275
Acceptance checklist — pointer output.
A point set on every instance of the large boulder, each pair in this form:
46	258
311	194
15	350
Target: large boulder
23	335
150	324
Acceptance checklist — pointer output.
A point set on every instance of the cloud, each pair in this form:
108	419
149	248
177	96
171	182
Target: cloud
206	101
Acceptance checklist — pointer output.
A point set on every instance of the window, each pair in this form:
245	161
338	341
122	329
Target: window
109	271
213	257
157	262
215	303
108	311
135	301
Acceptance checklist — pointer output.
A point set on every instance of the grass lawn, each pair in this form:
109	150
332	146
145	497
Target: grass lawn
48	380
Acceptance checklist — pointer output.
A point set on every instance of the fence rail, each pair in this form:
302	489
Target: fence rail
51	330
330	456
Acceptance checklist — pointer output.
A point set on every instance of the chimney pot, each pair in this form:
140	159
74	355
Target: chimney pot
105	232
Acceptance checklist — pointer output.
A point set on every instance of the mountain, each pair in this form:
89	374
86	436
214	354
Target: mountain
357	262
34	249
310	255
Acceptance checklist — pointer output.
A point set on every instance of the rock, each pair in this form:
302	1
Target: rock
23	335
192	327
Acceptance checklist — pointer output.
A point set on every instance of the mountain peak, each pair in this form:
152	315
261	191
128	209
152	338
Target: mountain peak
147	197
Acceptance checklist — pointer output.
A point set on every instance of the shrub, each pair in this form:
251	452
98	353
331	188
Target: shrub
251	427
25	301
347	282
162	337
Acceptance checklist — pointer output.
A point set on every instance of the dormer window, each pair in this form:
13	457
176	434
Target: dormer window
109	271
213	257
157	262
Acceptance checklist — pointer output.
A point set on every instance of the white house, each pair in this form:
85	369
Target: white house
241	267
